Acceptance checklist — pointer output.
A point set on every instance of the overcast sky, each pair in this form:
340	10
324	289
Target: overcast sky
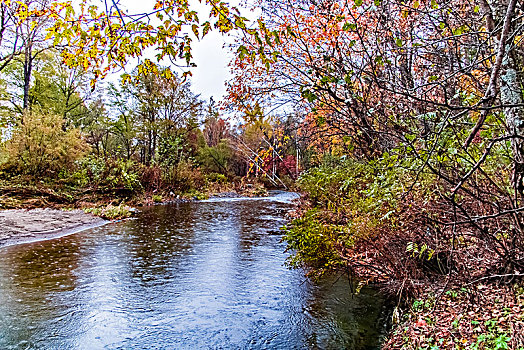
209	54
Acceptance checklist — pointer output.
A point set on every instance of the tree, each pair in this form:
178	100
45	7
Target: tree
53	87
97	127
34	41
215	127
164	110
106	39
21	25
433	86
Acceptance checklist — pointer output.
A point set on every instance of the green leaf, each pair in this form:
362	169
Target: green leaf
206	29
308	95
347	26
194	27
242	52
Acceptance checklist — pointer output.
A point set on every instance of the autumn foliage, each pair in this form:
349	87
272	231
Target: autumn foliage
403	122
40	146
413	115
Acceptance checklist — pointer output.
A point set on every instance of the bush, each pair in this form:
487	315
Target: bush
357	189
123	174
216	159
313	242
358	212
108	174
183	177
4	157
89	170
196	194
40	146
151	178
111	212
216	178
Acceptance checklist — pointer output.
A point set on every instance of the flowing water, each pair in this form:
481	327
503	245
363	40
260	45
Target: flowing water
202	275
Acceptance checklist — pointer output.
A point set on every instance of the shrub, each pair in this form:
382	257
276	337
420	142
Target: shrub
216	178
108	174
151	178
123	174
358	212
183	177
40	145
196	194
89	170
216	159
111	212
4	157
313	242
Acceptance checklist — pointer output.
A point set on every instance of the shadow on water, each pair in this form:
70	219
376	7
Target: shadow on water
197	275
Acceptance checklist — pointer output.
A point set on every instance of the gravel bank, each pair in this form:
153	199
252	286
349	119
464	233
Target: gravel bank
24	226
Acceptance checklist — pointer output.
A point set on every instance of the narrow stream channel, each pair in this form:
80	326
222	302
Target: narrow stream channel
203	275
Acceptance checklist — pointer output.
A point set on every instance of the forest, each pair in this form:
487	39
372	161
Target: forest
401	122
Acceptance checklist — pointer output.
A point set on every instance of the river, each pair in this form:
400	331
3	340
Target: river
199	275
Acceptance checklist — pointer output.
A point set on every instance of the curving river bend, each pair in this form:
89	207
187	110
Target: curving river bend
202	275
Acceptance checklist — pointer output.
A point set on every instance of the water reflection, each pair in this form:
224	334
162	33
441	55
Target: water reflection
186	276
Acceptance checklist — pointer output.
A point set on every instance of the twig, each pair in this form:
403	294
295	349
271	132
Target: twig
495	276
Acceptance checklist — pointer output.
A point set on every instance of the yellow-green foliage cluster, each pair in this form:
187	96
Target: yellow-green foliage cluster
3	153
313	242
111	212
40	145
352	200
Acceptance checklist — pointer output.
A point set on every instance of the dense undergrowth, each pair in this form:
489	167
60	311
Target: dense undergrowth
44	163
93	182
352	207
383	221
114	183
483	316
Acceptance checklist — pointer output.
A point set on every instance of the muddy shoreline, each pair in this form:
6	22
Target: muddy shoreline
20	226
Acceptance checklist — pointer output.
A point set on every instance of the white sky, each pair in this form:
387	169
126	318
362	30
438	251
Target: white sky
210	56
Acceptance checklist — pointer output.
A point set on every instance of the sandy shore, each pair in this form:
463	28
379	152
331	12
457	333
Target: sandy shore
24	226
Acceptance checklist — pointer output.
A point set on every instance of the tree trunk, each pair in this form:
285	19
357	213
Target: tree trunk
28	68
511	94
511	91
